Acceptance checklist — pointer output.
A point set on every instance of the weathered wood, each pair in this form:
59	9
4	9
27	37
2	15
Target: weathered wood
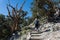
14	15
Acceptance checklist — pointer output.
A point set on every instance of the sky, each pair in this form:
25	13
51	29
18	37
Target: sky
27	6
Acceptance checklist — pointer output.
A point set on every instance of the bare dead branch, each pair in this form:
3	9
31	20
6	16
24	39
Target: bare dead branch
8	1
22	5
15	11
12	7
8	11
16	6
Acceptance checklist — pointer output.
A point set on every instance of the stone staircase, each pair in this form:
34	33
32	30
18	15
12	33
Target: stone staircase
35	35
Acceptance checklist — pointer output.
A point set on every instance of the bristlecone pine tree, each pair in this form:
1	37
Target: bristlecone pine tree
16	16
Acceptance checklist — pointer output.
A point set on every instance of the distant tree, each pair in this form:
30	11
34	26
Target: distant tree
4	28
43	8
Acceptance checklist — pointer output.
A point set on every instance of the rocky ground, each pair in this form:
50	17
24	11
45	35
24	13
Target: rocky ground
47	36
47	31
50	35
50	31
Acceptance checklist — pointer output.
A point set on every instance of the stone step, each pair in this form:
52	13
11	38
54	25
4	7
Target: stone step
35	38
38	34
35	34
